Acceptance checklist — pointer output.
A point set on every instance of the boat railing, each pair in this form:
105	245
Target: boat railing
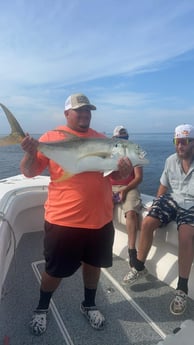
21	211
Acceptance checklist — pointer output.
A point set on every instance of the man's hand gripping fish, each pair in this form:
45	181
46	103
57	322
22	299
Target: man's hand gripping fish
76	155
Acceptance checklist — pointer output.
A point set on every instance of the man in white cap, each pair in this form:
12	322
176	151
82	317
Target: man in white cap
120	132
177	205
78	217
126	190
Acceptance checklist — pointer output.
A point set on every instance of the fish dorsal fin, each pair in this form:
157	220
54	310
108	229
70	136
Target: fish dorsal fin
68	135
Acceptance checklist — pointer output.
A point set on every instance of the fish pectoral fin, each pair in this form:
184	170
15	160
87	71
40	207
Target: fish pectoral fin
66	175
96	154
106	173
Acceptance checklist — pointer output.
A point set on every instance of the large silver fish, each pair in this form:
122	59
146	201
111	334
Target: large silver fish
76	155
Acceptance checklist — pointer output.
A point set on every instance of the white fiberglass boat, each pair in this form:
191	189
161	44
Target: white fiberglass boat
136	315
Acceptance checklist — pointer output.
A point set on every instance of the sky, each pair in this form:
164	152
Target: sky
134	59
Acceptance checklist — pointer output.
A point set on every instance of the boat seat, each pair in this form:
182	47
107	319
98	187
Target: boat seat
162	260
167	234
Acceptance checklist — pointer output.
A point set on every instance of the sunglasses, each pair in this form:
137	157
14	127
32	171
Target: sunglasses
123	137
182	141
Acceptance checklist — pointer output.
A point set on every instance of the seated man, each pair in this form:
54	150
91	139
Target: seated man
126	191
177	205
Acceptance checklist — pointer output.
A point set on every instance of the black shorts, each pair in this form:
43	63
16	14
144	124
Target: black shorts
65	248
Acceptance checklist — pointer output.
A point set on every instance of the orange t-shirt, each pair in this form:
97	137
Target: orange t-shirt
84	200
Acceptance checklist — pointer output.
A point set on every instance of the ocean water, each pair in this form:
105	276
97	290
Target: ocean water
157	145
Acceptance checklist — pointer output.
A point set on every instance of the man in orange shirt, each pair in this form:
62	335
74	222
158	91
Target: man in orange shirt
78	217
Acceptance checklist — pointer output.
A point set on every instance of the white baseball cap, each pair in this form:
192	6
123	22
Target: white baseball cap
184	131
118	129
77	101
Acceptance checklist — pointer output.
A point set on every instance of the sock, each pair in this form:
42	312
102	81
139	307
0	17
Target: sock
139	265
132	252
183	284
44	300
132	256
89	295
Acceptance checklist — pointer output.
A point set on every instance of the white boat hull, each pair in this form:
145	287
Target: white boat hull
22	210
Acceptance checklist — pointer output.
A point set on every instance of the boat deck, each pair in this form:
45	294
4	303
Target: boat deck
136	315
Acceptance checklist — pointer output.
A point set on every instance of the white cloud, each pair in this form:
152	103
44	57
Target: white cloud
50	48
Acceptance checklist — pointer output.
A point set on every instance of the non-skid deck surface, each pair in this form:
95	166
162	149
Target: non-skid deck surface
138	315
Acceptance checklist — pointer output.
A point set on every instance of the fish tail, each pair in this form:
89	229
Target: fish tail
17	134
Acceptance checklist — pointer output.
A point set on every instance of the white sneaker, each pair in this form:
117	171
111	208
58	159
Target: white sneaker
94	316
179	303
133	276
39	322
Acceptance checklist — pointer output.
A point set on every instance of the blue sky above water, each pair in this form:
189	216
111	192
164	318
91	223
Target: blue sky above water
134	60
